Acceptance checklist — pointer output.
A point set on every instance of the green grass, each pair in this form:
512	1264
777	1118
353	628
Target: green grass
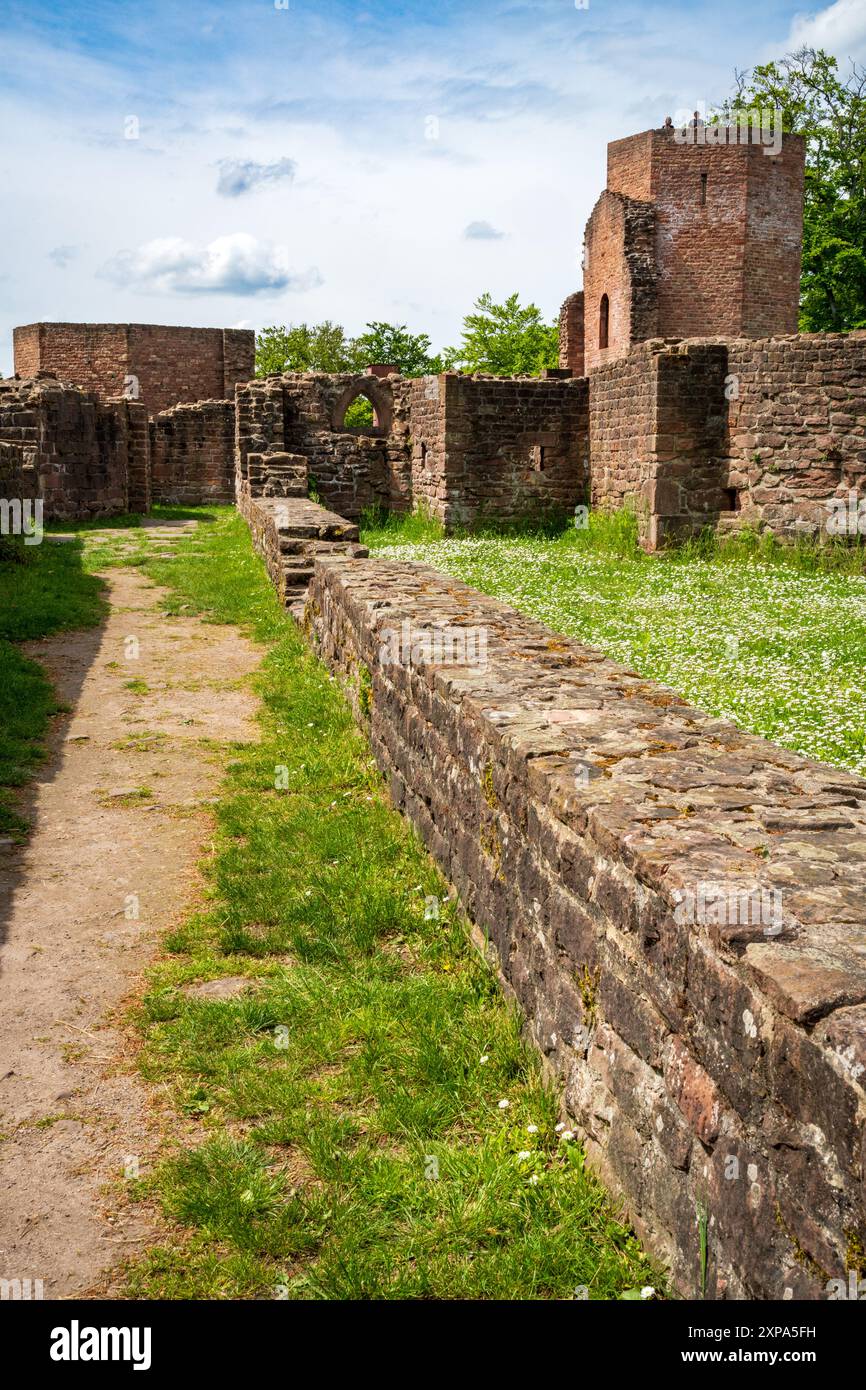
43	589
770	636
352	1142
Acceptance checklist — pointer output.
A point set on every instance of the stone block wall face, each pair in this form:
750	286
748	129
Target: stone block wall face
425	399
515	447
18	474
622	429
172	365
796	427
774	241
192	454
700	433
463	447
138	455
619	262
630	166
76	445
571	334
94	356
303	413
711	1060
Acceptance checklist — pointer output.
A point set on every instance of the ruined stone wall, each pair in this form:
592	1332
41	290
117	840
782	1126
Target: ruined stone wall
18	476
619	262
515	447
350	469
727	434
622	417
571	334
465	448
425	400
169	364
796	427
676	905
78	445
192	454
290	533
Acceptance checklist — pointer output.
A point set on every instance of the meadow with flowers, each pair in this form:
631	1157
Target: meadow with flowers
774	641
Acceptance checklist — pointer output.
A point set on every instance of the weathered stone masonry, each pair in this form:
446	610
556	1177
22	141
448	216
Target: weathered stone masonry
712	1066
465	448
748	431
83	456
163	364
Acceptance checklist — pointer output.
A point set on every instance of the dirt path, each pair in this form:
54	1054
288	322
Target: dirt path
121	821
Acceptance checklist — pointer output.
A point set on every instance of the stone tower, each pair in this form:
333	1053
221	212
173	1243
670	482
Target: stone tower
698	234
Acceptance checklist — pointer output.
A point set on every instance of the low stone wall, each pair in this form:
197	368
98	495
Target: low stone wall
290	533
677	906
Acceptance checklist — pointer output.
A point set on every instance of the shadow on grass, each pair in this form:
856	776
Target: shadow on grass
43	590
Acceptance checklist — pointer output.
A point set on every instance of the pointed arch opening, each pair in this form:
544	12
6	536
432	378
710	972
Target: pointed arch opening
362	409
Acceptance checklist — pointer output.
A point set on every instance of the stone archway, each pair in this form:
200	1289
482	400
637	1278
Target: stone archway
366	387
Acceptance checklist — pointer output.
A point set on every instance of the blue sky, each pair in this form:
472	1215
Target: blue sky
254	162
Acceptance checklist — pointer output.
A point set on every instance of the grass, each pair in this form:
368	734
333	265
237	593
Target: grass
370	1122
770	636
43	589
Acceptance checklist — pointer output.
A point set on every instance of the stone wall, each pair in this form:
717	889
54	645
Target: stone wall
725	434
571	335
350	469
620	269
192	454
291	533
515	447
676	905
796	428
77	446
158	364
466	448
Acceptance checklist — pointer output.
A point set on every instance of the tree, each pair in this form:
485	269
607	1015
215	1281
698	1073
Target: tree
831	114
392	342
505	339
302	347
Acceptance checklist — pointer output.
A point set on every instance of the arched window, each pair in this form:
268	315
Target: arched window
360	413
364	407
603	318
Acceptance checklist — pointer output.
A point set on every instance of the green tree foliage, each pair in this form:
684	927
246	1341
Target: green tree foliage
505	339
502	339
831	113
393	343
303	347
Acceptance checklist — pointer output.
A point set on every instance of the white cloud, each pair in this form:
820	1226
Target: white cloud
840	29
234	264
62	255
239	176
482	231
